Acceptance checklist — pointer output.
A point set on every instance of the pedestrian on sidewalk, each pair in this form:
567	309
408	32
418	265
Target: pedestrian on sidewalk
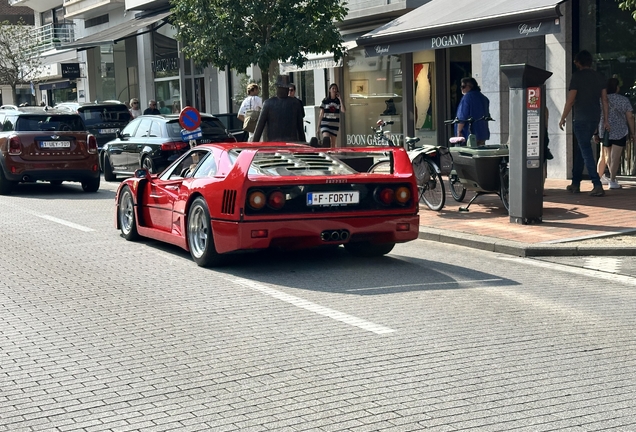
474	104
621	120
329	118
282	115
586	88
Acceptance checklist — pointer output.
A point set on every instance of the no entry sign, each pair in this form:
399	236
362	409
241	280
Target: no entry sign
189	118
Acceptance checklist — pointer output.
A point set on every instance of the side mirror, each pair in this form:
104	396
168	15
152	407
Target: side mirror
142	173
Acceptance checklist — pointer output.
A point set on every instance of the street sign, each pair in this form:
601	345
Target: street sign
191	135
189	118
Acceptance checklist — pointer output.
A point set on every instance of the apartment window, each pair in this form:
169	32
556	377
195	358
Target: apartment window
102	19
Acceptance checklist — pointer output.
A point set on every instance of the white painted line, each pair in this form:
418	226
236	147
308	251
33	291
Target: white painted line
63	222
313	307
628	280
426	284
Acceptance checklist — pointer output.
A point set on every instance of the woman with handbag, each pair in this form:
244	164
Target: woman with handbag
621	120
250	109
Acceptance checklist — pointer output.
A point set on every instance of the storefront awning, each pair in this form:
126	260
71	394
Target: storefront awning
116	33
450	23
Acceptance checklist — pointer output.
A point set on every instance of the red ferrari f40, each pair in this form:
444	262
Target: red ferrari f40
229	197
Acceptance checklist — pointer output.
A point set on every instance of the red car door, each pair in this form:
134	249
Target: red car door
161	198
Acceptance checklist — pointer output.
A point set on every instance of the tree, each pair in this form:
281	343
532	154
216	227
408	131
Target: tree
628	5
239	33
20	60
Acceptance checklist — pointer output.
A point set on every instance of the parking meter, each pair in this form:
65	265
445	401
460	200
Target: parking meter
527	134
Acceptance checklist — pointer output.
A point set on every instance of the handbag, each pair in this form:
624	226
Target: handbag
251	118
606	138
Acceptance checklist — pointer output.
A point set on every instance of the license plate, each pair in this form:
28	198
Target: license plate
55	144
333	198
107	131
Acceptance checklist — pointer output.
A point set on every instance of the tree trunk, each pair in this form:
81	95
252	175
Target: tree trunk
14	94
265	83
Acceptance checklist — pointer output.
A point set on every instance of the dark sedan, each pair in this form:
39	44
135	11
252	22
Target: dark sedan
153	142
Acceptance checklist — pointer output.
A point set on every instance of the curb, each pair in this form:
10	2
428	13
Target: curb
510	247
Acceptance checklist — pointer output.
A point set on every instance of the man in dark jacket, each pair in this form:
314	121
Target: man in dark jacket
282	115
152	108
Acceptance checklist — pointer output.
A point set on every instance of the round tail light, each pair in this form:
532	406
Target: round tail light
385	196
276	200
402	195
256	200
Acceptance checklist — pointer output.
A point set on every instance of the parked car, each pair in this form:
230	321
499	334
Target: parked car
233	125
153	142
102	119
46	144
221	198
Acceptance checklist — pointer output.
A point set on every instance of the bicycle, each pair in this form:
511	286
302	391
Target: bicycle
430	186
484	169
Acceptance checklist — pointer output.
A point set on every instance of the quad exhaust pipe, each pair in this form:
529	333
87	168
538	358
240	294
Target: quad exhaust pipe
335	236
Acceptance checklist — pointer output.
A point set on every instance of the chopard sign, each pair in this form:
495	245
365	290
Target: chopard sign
382	49
525	29
447	41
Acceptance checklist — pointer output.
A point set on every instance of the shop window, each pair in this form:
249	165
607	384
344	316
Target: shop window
373	90
168	92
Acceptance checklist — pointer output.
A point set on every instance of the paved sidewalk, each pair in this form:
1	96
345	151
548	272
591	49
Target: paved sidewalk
568	220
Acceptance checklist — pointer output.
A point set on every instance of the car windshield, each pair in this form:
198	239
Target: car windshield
104	114
50	123
210	127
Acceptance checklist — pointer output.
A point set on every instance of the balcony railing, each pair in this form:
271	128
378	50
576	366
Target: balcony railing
49	36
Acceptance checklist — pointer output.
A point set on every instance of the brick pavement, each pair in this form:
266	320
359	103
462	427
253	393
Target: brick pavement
566	216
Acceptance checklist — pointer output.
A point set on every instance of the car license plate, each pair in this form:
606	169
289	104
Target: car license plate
107	131
333	198
55	144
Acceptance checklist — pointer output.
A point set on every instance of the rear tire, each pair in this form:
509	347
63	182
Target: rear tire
5	185
108	170
430	186
366	249
504	193
126	215
149	165
91	185
200	235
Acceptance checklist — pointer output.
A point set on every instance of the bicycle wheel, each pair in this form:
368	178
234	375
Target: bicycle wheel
504	192
456	187
382	167
429	183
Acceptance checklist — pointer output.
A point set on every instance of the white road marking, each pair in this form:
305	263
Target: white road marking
606	264
426	284
628	280
313	307
62	222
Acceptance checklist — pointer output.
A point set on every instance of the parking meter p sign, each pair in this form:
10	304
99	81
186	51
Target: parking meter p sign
189	118
534	97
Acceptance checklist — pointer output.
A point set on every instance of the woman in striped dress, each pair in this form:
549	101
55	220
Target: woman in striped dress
329	119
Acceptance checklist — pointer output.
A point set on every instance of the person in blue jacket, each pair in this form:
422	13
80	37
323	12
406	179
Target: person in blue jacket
473	104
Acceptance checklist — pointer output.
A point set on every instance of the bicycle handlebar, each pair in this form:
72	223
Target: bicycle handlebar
469	120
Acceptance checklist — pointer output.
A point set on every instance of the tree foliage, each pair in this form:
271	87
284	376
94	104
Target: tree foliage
628	5
20	61
239	33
